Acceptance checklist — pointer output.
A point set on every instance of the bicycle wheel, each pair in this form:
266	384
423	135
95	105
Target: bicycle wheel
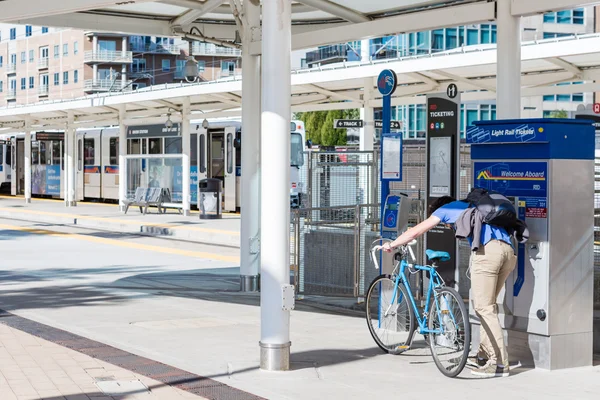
450	349
390	323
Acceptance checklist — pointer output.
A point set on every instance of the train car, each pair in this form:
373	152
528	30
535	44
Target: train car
5	162
100	150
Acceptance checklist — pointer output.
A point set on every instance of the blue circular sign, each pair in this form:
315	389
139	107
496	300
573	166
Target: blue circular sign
387	81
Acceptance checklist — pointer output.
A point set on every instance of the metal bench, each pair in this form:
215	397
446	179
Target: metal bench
144	198
167	202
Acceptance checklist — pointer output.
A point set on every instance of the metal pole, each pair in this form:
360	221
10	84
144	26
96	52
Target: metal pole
509	62
124	66
70	143
122	161
367	114
185	162
250	224
275	180
28	133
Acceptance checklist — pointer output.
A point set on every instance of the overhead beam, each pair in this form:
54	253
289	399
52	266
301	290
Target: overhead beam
463	79
413	22
335	95
530	7
423	78
11	10
190	16
169	104
559	62
337	10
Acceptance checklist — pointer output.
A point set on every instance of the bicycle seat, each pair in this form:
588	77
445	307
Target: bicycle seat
433	255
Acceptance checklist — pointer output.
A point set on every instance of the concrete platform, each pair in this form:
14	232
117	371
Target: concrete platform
107	217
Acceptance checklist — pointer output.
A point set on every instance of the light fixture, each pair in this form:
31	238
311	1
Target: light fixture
169	123
205	123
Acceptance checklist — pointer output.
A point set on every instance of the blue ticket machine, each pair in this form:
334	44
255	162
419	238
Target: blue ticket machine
547	167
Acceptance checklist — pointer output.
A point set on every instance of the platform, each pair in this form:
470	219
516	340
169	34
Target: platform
107	217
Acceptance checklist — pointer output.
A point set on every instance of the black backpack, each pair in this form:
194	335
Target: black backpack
494	207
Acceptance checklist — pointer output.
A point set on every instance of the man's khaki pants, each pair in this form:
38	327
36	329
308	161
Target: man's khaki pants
490	266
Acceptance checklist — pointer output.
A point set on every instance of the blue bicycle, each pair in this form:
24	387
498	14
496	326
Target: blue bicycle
392	311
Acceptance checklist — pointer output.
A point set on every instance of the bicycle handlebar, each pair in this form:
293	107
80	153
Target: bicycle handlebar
406	247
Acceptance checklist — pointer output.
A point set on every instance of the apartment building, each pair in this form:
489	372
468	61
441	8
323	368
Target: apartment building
40	63
549	26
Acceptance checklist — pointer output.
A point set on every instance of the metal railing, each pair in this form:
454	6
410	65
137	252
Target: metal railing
11	68
157	48
108	56
43	63
43	90
105	85
11	94
208	49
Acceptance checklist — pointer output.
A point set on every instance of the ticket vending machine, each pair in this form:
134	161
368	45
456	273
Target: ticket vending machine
547	167
396	210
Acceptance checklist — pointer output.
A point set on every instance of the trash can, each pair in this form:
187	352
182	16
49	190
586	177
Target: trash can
209	198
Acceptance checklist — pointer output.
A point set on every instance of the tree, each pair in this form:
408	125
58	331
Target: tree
315	121
559	114
329	135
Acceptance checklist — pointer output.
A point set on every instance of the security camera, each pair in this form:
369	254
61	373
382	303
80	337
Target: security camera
205	124
169	123
191	70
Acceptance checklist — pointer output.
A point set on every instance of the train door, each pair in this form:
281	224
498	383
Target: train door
202	153
92	176
110	165
13	166
229	161
20	166
80	194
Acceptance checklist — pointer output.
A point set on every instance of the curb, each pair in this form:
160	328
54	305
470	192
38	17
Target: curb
151	230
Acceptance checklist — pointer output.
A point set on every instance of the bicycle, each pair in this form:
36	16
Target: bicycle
444	321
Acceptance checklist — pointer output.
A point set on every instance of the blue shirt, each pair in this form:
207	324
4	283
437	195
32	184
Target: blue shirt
449	213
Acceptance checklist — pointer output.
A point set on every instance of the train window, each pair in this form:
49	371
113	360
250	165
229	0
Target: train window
155	146
2	153
230	153
113	151
173	146
44	152
89	152
297	153
144	146
133	146
8	152
202	164
79	155
194	150
35	153
56	153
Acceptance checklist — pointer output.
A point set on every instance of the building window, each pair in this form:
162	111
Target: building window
44	29
554	35
31	82
138	65
13	59
1	61
13	33
23	57
201	66
227	67
31	56
66	78
56	79
1	86
576	16
28	30
75	47
23	83
75	76
166	65
66	49
56	51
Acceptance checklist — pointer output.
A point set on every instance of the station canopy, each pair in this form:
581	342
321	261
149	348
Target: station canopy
315	23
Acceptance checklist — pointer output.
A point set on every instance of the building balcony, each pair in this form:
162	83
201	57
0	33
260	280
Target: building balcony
43	90
156	48
108	57
208	49
43	63
106	85
11	94
11	68
327	55
140	74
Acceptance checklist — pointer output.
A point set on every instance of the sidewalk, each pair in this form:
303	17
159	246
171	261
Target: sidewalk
107	217
32	369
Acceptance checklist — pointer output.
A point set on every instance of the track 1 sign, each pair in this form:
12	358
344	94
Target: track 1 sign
348	123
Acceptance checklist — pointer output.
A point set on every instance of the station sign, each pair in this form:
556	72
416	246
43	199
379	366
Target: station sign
39	136
394	125
158	130
348	123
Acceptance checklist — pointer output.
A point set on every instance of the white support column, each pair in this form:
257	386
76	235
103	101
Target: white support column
95	66
365	50
122	161
251	101
28	133
367	114
509	62
275	181
124	66
71	154
186	150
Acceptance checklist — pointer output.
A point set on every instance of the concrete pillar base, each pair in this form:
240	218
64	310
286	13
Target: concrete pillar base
275	357
187	213
27	201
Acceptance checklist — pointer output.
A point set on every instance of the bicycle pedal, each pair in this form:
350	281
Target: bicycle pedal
402	348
